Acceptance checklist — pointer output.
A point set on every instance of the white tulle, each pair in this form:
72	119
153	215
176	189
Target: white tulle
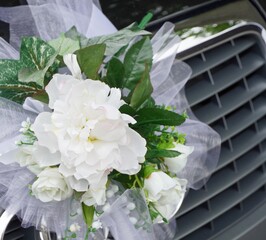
47	19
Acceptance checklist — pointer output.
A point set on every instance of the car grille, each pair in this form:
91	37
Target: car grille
227	90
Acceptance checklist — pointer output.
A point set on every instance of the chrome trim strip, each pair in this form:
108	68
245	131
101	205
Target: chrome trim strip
4	221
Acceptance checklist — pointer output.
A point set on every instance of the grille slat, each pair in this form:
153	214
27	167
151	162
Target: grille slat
228	91
231	100
241	119
218	56
219	182
249	139
220	204
234	214
221	80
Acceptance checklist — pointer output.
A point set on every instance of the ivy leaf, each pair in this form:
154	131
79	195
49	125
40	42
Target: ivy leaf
88	64
37	56
158	116
10	87
138	59
64	45
142	91
115	73
88	213
35	53
114	42
161	153
9	71
28	75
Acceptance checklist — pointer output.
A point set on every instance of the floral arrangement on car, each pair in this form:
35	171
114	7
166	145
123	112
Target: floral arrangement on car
97	132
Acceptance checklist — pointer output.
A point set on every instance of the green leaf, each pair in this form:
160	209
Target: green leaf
64	45
161	153
148	170
158	116
35	53
88	214
90	59
73	34
127	110
115	73
138	59
37	56
41	96
9	71
28	75
142	91
10	87
114	42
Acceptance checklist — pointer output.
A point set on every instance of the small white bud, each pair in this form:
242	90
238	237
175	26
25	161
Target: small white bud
131	206
74	227
123	199
106	207
110	193
97	224
133	220
115	188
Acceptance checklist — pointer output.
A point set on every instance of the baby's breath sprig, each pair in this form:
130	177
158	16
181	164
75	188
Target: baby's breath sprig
28	136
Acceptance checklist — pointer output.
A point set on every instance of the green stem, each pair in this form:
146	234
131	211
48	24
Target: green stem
164	219
138	181
87	234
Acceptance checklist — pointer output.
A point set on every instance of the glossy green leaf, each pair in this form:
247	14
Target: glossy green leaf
142	91
88	214
158	116
161	153
90	59
138	59
127	110
115	73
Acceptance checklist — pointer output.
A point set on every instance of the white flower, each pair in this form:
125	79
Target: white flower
94	196
36	157
89	131
51	186
97	224
74	227
72	64
165	193
177	164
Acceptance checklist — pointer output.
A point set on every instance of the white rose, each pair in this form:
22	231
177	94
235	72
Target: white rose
89	131
176	164
165	193
51	186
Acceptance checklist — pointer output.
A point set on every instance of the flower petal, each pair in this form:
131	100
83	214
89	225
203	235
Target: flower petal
72	64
